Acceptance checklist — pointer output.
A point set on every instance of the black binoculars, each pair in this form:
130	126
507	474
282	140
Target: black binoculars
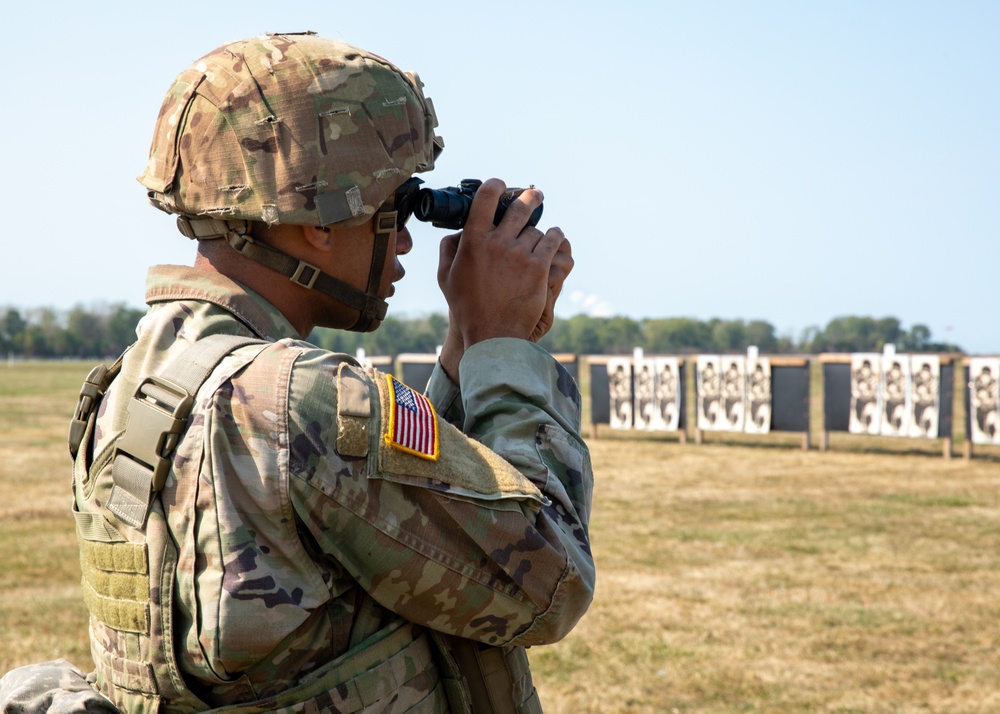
449	207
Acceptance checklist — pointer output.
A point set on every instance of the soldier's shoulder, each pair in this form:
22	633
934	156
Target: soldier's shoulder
319	379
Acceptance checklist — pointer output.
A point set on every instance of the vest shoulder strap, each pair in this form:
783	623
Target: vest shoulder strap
157	416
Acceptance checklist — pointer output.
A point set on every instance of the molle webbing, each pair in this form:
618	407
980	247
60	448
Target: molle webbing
116	584
116	589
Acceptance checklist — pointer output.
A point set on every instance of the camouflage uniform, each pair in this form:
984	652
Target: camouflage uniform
296	557
300	531
56	687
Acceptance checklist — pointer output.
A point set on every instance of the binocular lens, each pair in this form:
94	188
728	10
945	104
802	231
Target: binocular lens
442	206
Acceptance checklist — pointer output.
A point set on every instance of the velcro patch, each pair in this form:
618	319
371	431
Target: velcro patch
465	468
353	411
413	425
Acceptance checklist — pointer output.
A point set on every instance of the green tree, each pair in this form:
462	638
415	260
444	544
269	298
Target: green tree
728	336
557	340
853	333
620	335
12	332
761	334
888	331
850	334
106	332
44	335
336	340
86	334
388	339
583	335
916	338
676	334
427	334
809	339
122	322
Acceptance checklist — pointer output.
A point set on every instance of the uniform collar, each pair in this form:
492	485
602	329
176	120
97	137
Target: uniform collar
178	282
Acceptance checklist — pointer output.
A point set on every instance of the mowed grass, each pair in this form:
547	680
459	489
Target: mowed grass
731	578
42	615
739	579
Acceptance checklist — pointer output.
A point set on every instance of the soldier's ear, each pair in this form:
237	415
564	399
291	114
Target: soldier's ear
319	237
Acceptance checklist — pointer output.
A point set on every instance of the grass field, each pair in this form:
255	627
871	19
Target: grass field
731	578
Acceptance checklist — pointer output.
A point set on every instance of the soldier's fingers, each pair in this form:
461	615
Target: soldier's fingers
550	242
516	215
447	251
562	265
484	207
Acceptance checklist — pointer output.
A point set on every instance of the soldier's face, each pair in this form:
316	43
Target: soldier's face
350	260
393	270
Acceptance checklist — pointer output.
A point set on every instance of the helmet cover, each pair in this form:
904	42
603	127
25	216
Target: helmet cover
289	128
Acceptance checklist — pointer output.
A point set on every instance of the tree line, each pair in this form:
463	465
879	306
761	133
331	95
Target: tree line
78	333
105	331
682	335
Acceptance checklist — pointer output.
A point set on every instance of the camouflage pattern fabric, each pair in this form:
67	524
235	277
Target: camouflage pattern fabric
55	687
301	531
289	128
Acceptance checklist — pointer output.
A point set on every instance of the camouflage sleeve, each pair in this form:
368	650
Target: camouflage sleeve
466	544
522	404
446	396
54	687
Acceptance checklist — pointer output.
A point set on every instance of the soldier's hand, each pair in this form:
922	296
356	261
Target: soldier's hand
562	264
502	281
453	349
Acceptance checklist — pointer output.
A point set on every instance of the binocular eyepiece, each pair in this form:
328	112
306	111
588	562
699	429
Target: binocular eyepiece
449	207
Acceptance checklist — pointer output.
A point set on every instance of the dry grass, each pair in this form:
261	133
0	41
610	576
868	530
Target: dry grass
42	615
736	579
731	578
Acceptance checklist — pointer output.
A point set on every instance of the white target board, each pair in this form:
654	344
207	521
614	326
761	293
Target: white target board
866	393
644	396
925	391
708	377
620	386
895	387
667	402
733	392
758	396
984	400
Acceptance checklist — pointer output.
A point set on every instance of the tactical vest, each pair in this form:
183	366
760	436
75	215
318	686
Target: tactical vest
128	561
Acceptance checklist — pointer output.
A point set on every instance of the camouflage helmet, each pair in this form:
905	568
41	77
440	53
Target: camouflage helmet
289	128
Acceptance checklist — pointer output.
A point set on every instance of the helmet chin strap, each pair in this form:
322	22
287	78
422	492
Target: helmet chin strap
372	308
375	307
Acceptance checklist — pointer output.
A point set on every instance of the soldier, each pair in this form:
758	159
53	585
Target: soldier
267	526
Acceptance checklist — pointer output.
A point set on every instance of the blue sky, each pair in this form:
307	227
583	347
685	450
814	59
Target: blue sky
784	161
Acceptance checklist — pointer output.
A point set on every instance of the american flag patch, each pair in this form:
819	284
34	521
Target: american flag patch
413	426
